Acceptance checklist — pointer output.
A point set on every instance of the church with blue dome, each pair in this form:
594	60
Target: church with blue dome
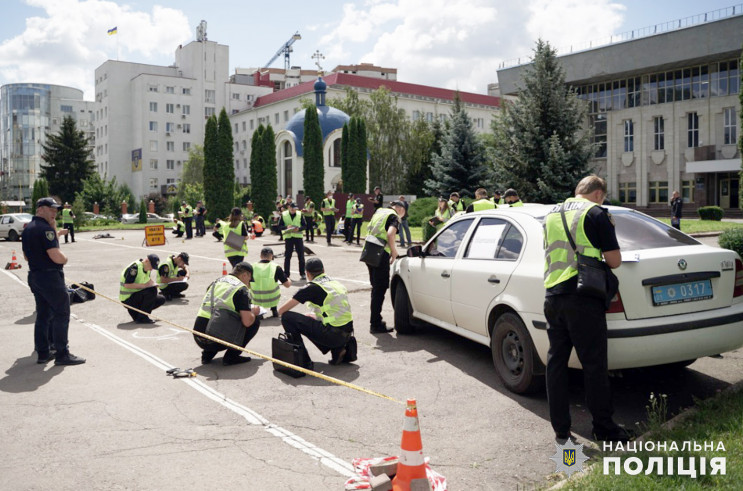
290	154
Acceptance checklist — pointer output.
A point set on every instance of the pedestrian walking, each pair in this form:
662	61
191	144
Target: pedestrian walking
677	204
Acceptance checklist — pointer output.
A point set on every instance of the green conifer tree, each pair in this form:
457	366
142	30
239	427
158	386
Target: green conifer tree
211	167
270	169
358	174
221	203
67	160
314	169
345	156
41	190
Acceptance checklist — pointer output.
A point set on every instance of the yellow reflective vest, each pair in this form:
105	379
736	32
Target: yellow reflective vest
335	309
264	287
142	277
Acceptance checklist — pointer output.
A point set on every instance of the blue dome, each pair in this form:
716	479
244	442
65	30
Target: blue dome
320	85
331	119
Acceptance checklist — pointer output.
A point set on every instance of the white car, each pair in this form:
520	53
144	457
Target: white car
482	277
12	225
151	218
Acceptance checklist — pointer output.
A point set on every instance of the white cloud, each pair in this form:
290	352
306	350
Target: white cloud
65	45
460	43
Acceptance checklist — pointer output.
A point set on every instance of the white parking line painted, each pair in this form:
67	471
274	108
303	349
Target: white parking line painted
14	277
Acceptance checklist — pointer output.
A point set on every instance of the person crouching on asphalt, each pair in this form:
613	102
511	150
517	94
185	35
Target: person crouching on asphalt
179	228
138	290
267	276
229	293
173	275
330	326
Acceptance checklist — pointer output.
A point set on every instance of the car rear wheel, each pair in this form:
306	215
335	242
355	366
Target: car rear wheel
514	356
403	320
12	235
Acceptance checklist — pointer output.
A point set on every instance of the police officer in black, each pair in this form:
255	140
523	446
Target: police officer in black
46	280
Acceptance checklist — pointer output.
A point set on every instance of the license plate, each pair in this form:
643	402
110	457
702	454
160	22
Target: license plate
692	291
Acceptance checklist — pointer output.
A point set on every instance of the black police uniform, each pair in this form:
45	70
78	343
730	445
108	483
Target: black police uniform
146	299
579	321
241	299
173	289
47	283
379	278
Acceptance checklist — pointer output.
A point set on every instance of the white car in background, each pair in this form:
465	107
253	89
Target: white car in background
12	225
482	277
151	218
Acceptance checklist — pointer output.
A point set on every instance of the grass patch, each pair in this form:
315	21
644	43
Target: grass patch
694	226
719	419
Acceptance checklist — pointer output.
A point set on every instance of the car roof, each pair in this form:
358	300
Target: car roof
534	210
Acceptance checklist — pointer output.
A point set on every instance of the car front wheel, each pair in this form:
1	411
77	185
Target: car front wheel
403	324
514	356
12	235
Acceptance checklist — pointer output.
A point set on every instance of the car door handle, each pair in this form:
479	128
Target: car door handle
493	280
445	274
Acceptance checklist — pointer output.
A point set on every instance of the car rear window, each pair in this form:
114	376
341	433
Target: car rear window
636	232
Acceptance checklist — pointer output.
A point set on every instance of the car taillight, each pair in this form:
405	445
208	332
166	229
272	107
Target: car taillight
738	290
25	224
616	306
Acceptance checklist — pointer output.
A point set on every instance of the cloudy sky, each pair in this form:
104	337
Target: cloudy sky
446	43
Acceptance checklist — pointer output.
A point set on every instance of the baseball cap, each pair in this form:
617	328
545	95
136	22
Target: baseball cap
314	265
184	256
154	260
510	192
293	205
397	203
48	201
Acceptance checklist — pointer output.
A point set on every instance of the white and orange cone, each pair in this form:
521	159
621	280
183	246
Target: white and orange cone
13	264
224	269
411	465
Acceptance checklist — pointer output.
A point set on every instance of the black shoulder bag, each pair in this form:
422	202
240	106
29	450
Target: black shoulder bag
591	271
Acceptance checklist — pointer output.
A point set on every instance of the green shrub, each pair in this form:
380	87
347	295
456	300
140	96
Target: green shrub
428	230
420	209
710	213
732	239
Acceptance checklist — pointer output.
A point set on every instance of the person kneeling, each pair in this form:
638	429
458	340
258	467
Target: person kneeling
330	327
173	276
238	319
139	291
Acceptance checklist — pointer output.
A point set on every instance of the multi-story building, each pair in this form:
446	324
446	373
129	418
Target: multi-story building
28	113
663	109
279	109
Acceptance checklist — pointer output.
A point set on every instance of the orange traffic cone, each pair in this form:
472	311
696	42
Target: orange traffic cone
411	465
13	264
224	269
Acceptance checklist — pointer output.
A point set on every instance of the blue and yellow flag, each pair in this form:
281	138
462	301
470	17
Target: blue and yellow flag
112	31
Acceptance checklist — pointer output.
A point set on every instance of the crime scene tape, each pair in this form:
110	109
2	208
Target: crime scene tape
250	352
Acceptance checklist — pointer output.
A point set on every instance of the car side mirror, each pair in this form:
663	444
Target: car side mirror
415	251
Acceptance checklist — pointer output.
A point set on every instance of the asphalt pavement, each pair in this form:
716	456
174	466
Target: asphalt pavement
119	422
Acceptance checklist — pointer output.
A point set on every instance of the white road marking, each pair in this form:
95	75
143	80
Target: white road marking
172	335
14	277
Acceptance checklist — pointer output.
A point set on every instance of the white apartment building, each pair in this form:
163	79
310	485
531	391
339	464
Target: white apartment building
29	112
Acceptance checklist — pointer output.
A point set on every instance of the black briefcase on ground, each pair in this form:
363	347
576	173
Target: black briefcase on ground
284	350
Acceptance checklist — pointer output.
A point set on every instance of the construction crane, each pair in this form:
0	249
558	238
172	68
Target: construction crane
286	49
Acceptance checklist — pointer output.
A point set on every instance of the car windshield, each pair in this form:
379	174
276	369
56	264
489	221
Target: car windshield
24	216
636	232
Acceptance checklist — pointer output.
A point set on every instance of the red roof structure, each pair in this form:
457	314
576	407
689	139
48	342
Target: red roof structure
349	80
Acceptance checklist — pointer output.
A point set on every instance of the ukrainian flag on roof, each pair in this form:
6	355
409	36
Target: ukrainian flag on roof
112	31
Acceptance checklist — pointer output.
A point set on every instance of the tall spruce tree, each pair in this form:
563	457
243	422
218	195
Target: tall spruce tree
221	202
461	165
345	156
41	189
262	200
314	169
270	169
359	162
540	145
211	167
67	159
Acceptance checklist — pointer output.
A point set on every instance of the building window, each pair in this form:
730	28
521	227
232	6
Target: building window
334	156
186	128
236	126
208	112
170	146
186	91
210	96
153	183
153	145
288	190
186	146
658	192
153	164
692	140
169	90
244	126
416	115
153	126
153	107
169	127
286	116
236	97
276	118
629	136
687	191
66	109
186	109
152	88
251	125
658	133
730	127
599	134
628	192
169	108
245	163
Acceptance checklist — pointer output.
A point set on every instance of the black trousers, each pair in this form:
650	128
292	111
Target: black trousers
379	278
290	245
188	222
146	300
322	336
71	228
235	259
309	232
329	226
178	233
200	229
357	223
578	321
211	348
173	288
348	229
52	311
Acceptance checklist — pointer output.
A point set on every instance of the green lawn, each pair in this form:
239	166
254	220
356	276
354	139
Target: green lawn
694	226
719	419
